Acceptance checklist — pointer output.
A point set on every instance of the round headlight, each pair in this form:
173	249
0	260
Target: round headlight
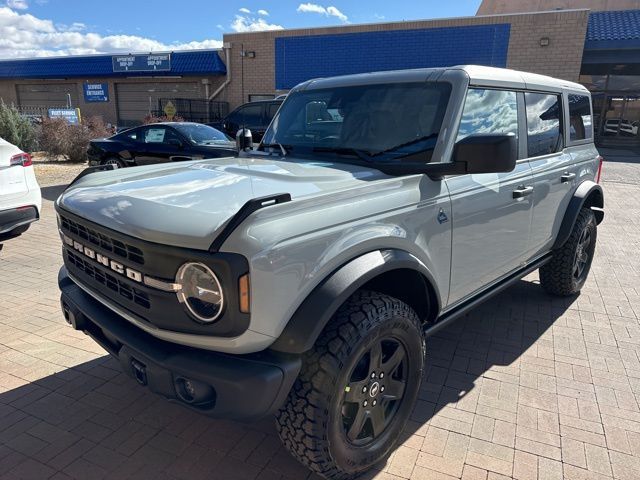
200	292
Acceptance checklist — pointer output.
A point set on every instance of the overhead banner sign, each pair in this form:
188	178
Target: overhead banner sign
71	115
96	92
142	63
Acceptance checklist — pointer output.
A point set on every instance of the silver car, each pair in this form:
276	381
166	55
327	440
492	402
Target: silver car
302	278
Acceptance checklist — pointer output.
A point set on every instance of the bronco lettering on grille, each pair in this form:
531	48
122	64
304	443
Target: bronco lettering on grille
105	261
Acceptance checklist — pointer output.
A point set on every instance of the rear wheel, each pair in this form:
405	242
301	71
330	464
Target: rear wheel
569	267
114	161
357	387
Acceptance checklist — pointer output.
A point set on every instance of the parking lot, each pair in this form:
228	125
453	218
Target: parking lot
527	386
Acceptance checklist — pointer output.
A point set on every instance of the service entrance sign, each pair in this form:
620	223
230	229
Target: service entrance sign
160	62
96	92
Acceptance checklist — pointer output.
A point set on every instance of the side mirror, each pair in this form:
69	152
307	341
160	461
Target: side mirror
175	142
483	153
244	140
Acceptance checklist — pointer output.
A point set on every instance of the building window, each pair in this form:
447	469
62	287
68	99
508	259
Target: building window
580	123
544	131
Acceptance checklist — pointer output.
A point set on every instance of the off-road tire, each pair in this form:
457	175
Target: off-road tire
558	275
310	423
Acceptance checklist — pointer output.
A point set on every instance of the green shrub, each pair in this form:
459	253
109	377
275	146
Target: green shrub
16	129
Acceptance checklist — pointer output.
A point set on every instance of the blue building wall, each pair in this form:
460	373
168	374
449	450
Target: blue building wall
301	58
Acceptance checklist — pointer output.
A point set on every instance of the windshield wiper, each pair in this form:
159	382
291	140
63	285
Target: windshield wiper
407	144
361	154
284	149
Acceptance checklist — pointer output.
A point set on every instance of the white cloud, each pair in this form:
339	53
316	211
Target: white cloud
74	27
329	11
334	12
263	12
18	4
23	36
244	10
249	24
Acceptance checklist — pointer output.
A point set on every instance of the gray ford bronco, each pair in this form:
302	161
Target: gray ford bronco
302	277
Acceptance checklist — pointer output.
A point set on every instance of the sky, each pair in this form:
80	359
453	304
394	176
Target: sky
37	28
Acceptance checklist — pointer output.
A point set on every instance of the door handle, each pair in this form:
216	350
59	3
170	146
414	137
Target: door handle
566	176
522	191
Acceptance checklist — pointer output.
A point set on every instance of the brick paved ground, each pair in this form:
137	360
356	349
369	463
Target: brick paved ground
528	386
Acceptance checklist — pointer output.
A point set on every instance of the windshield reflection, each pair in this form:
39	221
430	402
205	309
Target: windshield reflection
380	122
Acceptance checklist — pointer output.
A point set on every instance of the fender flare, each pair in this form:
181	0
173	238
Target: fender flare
306	324
589	193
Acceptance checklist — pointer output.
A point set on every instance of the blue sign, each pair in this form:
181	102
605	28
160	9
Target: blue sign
71	115
160	62
96	92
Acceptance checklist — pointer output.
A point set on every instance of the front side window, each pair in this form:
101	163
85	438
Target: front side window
489	111
154	135
580	123
379	122
544	130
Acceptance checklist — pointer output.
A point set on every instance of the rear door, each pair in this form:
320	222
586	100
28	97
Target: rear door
13	182
552	166
492	211
250	116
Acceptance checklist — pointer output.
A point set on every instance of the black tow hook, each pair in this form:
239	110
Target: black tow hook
76	320
139	372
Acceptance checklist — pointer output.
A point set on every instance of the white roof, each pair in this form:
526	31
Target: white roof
504	77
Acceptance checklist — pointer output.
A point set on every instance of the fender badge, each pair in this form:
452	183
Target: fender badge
442	217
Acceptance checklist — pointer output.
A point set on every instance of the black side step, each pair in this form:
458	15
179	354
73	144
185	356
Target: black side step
246	210
464	308
89	170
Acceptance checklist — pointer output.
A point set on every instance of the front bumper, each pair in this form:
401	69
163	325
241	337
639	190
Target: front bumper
244	387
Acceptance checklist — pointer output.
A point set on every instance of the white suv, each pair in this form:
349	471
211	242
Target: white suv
20	198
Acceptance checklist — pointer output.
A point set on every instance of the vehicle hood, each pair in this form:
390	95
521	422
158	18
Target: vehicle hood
187	204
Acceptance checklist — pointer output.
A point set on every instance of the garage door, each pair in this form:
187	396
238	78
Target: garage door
136	100
47	95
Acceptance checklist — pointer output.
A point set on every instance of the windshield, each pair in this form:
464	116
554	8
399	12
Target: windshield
380	122
202	134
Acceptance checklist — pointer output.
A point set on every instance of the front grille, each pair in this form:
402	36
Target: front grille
109	244
107	280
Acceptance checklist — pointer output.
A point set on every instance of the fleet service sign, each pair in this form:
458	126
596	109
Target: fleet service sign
96	92
142	63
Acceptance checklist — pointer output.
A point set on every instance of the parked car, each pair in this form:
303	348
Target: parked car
625	127
302	278
160	142
255	116
20	198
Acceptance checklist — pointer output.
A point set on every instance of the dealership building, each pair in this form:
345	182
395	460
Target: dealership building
595	42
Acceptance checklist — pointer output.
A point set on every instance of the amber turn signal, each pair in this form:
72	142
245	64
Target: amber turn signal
243	289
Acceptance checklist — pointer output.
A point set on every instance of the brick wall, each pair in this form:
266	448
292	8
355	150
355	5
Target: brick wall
495	7
561	58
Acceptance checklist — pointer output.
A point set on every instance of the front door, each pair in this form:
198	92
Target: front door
161	144
491	212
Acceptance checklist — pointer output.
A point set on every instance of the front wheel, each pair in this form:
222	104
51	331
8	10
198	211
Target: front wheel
569	267
357	387
114	161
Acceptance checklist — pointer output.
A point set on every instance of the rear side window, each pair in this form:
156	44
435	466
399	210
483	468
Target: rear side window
544	130
251	115
580	123
489	112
